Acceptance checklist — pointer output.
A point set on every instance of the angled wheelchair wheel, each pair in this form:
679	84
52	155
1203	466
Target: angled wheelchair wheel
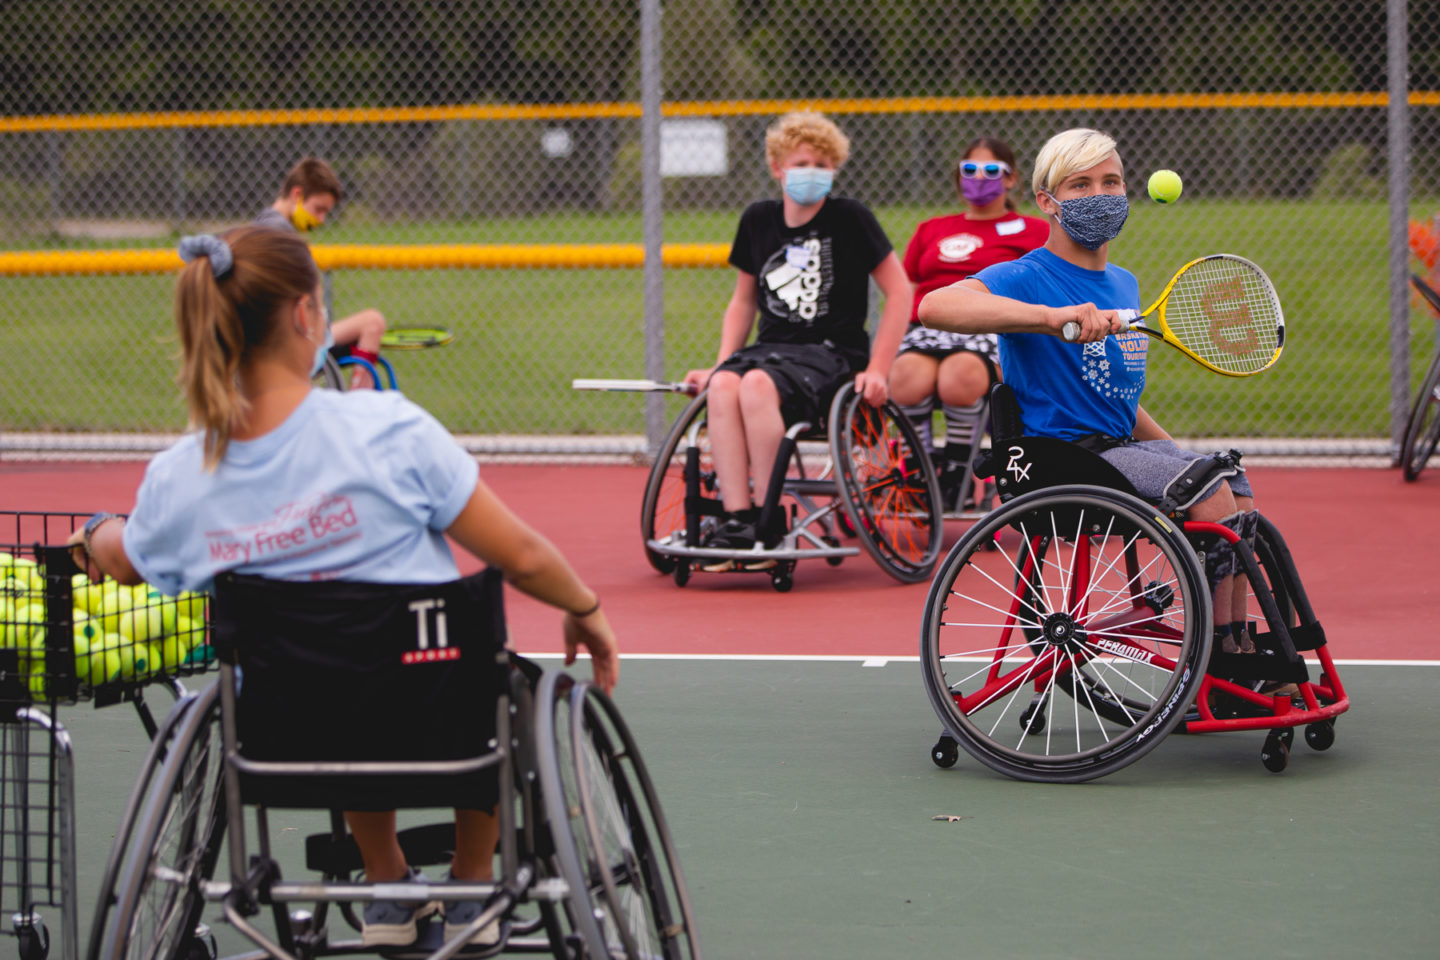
888	486
1422	432
627	895
662	511
173	847
160	746
1072	650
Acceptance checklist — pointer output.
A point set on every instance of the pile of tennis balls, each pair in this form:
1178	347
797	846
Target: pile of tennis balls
121	634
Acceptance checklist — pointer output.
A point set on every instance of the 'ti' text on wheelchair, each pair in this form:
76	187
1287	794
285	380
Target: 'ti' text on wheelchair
877	484
1077	646
366	696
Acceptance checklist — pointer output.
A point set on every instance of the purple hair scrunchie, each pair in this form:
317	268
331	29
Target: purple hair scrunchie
212	247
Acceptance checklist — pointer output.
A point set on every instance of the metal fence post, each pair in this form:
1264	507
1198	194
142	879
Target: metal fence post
1398	116
652	200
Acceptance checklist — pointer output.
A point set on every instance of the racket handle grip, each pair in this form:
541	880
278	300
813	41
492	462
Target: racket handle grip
1071	331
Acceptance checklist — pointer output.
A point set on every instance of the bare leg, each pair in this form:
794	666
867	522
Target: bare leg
374	833
728	440
913	378
476	834
964	379
764	426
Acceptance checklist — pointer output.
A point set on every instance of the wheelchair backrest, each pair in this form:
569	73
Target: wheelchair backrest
1021	464
362	672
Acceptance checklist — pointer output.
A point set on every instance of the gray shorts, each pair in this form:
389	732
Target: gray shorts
1152	465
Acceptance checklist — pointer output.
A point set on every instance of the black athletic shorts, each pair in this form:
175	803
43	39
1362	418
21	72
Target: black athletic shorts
805	374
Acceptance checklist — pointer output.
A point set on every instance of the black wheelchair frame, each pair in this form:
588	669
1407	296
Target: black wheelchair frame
585	852
878	486
1103	597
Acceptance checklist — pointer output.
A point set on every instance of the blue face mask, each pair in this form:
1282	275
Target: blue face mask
807	185
323	348
1095	220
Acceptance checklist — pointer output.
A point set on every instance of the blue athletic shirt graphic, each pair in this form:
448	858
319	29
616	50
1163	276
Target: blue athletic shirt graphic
1071	390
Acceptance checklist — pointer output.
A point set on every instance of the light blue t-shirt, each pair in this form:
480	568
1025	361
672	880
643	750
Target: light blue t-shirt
1070	390
352	486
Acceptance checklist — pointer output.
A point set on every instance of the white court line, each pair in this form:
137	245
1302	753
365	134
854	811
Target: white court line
880	661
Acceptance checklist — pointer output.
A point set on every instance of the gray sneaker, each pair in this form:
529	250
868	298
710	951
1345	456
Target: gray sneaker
392	923
460	914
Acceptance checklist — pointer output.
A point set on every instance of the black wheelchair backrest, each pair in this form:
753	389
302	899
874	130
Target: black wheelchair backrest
1020	464
362	672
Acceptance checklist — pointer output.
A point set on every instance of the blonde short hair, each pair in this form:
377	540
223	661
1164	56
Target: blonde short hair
1068	153
814	130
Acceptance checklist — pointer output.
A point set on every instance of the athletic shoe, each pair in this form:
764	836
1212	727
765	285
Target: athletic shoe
392	923
460	914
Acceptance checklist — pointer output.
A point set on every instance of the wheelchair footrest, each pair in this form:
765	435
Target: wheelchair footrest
1308	636
1261	665
338	856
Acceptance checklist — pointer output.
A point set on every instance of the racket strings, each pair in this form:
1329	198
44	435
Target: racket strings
1227	314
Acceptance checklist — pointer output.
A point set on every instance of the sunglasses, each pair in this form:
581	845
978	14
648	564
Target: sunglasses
990	170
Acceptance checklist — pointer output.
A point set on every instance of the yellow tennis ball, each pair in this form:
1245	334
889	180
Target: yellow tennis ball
1165	186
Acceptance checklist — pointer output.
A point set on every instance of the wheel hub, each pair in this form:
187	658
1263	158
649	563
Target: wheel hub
1060	630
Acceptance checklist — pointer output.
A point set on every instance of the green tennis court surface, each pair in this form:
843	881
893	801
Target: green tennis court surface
802	798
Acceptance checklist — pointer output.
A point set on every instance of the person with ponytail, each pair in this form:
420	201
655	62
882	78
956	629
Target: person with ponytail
291	482
958	369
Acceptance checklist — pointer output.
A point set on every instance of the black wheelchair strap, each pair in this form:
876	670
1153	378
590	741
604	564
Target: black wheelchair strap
1186	488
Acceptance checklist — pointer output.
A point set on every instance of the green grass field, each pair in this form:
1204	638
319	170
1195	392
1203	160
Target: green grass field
97	353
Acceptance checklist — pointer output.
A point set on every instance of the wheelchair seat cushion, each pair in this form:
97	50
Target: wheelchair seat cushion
344	671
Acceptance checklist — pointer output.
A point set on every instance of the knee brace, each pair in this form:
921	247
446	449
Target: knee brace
1220	558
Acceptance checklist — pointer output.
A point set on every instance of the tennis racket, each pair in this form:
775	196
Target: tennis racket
415	338
1220	311
631	386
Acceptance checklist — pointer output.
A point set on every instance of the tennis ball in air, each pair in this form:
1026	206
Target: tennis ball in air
1165	186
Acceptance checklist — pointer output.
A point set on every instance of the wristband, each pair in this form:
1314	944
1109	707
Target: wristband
365	355
93	524
583	614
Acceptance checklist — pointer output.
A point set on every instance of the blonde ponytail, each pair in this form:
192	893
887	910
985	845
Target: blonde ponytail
227	300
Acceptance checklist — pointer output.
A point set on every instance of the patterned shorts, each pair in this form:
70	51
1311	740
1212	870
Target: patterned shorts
942	343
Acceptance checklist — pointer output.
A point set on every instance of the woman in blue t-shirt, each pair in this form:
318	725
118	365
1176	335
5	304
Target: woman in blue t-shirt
295	483
1089	390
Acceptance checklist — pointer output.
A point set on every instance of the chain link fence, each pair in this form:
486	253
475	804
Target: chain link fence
127	123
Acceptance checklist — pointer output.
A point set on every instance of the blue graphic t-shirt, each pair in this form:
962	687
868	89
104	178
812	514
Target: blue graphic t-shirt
1071	390
352	486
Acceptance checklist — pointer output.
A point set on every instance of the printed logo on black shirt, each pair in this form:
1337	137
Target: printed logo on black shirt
797	280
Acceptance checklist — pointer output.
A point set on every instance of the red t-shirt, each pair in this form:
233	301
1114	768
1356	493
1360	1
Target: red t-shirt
948	249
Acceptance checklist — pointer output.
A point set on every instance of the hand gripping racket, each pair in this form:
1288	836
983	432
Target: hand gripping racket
1220	311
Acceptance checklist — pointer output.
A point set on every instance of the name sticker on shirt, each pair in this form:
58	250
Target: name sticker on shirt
797	256
1007	227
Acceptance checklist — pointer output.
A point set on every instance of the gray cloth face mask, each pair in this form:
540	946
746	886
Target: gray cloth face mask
1095	220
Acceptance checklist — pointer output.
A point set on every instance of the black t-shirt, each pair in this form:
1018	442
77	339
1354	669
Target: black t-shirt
813	279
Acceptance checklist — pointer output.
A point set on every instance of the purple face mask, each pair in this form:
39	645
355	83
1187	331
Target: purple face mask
981	192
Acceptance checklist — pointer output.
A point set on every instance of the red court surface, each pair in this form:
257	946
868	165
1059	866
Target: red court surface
1367	545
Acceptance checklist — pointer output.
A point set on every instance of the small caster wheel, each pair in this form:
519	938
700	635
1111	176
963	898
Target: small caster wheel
203	946
781	580
32	939
1032	720
1320	735
681	573
833	542
1287	736
1276	752
945	752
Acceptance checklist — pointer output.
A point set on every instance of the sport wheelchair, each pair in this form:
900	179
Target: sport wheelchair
878	486
1073	649
319	720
